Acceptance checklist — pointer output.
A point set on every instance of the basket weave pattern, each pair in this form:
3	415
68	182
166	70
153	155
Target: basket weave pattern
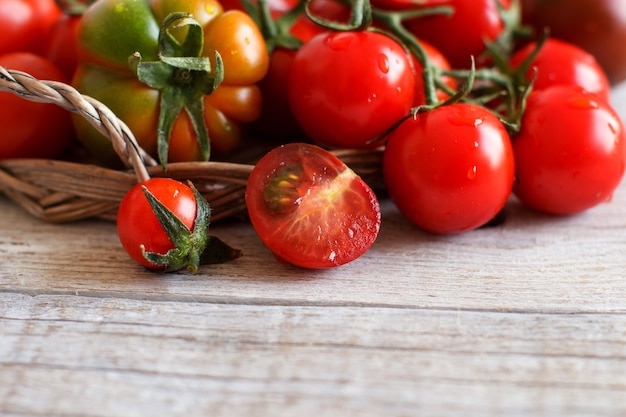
59	191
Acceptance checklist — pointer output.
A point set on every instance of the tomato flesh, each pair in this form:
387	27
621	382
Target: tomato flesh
310	209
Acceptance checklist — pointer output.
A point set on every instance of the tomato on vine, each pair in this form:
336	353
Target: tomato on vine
450	169
347	89
310	209
570	153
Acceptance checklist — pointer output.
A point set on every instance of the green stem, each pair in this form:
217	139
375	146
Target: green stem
393	22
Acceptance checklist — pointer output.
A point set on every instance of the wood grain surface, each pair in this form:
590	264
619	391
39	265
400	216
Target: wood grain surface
524	319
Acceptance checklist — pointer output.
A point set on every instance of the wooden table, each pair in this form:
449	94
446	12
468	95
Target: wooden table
524	319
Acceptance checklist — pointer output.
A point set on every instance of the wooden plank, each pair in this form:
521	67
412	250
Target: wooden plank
530	263
135	357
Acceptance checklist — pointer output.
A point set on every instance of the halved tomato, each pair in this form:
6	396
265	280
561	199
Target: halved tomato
310	209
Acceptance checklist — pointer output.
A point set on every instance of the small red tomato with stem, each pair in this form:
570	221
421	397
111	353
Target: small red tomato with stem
310	209
570	153
450	169
162	223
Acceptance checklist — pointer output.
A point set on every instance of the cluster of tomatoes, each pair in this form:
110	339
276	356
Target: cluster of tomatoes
467	106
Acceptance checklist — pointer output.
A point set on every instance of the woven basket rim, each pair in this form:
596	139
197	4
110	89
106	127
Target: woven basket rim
63	191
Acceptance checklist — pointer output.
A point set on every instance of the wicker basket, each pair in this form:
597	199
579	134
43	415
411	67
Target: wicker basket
60	191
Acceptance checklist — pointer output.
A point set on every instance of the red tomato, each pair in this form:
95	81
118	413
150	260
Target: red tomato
563	63
30	129
346	89
25	23
310	209
462	34
138	227
60	46
450	169
570	152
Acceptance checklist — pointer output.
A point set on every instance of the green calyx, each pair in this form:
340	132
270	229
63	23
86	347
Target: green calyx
192	248
183	76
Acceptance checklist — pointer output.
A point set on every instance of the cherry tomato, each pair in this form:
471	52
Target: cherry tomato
30	129
598	26
338	106
462	34
570	152
309	208
451	169
563	63
138	227
25	23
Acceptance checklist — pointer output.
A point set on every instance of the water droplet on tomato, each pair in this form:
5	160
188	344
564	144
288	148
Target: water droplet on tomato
383	63
338	42
612	128
471	172
582	102
465	120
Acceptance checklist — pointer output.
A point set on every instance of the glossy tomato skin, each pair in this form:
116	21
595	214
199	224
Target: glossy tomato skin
562	63
570	153
30	129
598	26
338	106
25	23
111	30
138	226
451	169
310	209
60	45
462	34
